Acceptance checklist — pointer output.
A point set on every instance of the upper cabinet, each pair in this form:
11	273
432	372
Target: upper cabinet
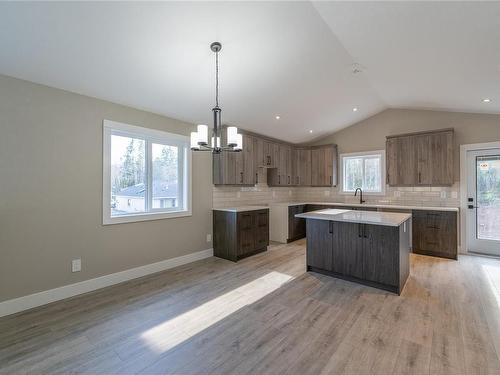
266	153
324	165
285	164
236	168
281	174
301	166
420	159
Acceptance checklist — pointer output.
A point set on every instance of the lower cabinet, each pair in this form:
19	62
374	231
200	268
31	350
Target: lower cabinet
435	233
372	254
240	234
296	226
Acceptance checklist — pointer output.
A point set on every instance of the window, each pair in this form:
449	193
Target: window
146	174
365	170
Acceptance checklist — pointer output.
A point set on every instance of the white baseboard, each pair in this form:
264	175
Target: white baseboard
42	298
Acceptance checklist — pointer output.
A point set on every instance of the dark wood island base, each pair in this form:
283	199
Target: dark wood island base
372	255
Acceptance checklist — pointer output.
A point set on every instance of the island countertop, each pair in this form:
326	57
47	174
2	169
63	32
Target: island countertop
392	219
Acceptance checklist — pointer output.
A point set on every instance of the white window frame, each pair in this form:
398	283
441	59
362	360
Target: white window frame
380	153
150	136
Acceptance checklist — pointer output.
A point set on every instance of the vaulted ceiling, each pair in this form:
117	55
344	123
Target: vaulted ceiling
292	59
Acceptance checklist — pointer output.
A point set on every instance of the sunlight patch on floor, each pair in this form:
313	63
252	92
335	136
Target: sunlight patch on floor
493	276
174	331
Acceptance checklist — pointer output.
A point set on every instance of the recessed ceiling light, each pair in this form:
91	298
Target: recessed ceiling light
486	100
355	109
310	131
277	117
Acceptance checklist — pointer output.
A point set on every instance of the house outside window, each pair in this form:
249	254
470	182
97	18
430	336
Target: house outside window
146	174
365	170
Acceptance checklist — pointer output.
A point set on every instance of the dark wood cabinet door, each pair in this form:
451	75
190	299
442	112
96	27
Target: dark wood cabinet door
246	232
401	163
296	226
324	166
380	258
441	155
304	167
248	163
261	229
317	167
319	244
424	161
347	249
330	155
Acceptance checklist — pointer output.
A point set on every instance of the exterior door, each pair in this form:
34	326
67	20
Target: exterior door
483	206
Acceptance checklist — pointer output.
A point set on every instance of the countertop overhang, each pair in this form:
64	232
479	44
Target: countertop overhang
393	219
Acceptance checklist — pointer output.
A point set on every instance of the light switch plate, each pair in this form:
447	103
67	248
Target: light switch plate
209	237
443	194
76	265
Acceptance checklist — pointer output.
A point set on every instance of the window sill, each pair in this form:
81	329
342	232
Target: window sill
148	216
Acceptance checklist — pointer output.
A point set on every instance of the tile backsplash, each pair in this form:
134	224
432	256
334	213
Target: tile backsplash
261	194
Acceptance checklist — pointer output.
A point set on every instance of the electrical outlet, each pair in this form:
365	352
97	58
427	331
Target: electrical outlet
443	194
209	237
76	265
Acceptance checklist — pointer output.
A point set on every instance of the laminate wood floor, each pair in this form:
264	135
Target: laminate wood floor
265	315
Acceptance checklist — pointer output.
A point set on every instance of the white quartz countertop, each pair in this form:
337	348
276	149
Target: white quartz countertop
398	207
393	219
242	208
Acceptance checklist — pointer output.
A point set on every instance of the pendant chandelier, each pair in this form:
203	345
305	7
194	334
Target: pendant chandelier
199	139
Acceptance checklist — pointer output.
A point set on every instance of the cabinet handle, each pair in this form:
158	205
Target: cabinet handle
288	180
241	177
419	177
365	235
279	179
257	178
330	227
331	180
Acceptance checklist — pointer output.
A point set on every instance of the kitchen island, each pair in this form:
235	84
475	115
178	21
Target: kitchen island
368	247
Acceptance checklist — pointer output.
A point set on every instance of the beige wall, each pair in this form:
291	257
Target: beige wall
51	193
370	134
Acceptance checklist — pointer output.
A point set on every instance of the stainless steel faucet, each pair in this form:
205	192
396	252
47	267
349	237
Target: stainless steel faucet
361	201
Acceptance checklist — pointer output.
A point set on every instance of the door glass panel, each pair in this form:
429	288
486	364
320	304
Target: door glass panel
128	172
165	176
488	197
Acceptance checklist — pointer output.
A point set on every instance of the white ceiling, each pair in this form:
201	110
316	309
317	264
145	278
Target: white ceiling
288	58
